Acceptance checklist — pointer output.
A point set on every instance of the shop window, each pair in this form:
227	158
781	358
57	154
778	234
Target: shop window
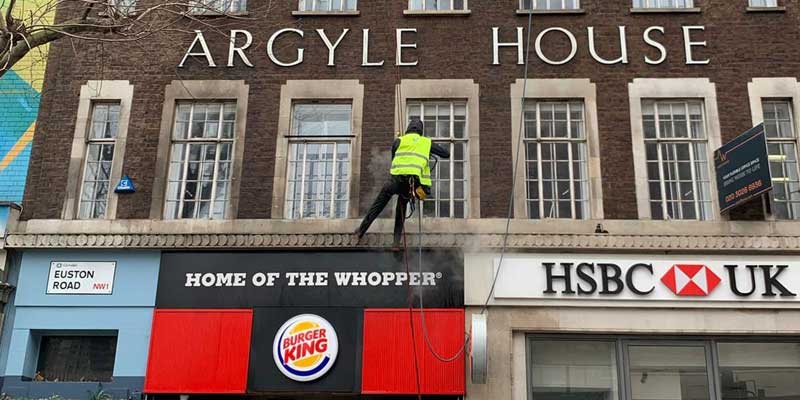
100	143
446	124
573	369
664	4
782	149
763	371
324	6
199	177
668	372
319	161
764	3
556	177
76	358
437	5
677	160
541	5
218	7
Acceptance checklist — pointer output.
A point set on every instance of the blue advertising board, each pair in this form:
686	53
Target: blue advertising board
742	168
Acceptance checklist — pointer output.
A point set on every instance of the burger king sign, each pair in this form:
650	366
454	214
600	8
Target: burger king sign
305	347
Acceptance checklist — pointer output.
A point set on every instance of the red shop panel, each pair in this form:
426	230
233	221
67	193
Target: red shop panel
388	355
199	351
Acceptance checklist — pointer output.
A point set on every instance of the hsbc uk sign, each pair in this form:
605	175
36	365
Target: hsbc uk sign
649	278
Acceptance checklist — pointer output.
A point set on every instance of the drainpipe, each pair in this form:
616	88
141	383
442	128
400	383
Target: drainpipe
9	215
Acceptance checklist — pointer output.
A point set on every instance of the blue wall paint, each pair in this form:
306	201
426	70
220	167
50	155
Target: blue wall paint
135	279
129	311
133	340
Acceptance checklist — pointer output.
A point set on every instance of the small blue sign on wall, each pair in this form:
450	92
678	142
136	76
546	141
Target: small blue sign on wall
125	185
742	167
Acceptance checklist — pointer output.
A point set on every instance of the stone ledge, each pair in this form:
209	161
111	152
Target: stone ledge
468	242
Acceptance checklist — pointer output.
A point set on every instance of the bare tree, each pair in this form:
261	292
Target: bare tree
26	25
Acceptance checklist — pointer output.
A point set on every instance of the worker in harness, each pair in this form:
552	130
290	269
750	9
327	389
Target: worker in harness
410	176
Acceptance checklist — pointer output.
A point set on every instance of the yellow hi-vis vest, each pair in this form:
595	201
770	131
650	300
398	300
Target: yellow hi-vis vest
412	157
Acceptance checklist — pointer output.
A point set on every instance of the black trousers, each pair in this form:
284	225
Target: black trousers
396	185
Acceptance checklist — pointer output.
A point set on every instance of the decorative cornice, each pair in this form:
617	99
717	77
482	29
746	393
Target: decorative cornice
468	242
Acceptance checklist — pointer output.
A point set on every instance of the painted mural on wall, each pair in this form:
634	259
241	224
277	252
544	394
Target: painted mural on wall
20	91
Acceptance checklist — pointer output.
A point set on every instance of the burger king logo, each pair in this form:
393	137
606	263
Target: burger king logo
305	347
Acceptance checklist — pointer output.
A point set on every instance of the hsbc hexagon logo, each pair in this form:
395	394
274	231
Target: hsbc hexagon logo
691	280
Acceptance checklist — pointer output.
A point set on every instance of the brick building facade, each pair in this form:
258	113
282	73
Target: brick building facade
623	108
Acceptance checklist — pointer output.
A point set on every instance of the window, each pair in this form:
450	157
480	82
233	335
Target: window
199	177
765	371
437	5
327	5
668	372
782	149
99	158
550	4
218	6
663	3
124	7
556	176
76	358
446	124
677	159
319	161
573	369
764	3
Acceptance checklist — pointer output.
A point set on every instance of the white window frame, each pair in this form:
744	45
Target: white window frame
298	91
760	89
93	92
410	90
655	5
557	89
666	89
293	138
775	4
425	10
201	90
303	8
451	141
96	141
207	7
539	140
547	4
691	141
788	140
189	142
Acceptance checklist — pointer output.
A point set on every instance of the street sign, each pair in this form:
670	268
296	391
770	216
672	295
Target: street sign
742	168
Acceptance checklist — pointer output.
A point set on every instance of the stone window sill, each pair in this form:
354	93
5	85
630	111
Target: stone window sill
664	10
354	13
766	9
428	13
552	12
210	14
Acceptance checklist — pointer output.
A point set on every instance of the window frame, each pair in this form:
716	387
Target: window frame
451	142
199	91
557	89
794	140
204	8
343	10
322	90
411	90
293	138
424	11
759	89
623	343
667	89
111	91
765	7
563	8
691	141
539	140
184	162
97	141
653	5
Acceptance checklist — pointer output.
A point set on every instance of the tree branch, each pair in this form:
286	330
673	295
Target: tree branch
9	20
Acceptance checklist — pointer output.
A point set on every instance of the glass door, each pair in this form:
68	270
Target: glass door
668	370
